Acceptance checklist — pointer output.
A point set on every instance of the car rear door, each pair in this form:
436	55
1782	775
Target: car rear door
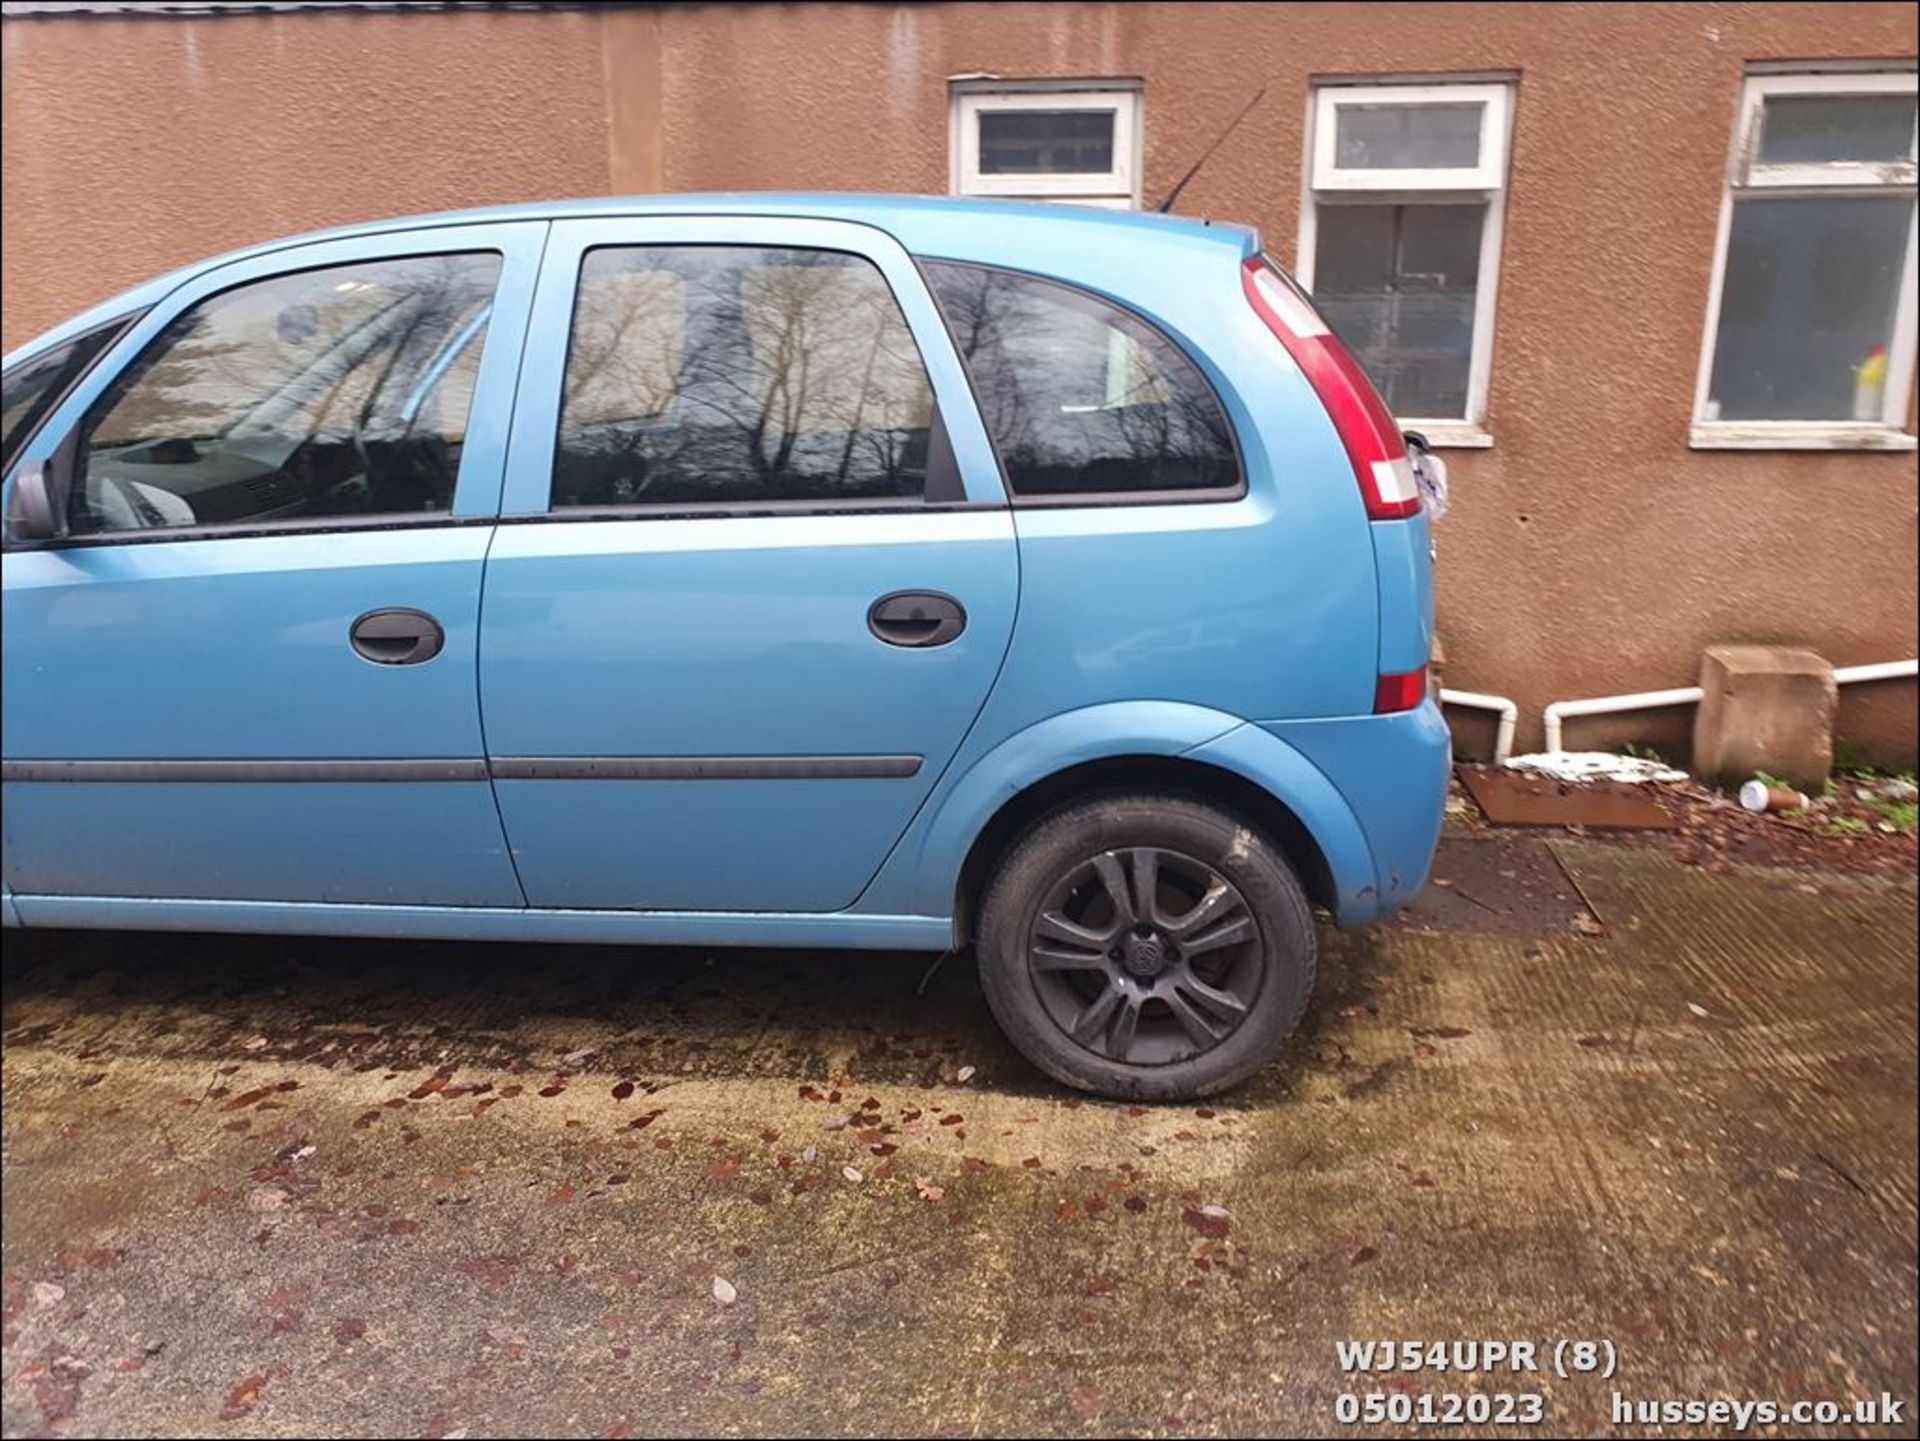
755	575
247	670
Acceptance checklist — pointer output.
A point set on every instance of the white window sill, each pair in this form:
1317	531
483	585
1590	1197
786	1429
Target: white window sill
1762	435
1451	434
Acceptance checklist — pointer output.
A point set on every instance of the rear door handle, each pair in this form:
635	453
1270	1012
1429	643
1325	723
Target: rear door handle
916	618
397	635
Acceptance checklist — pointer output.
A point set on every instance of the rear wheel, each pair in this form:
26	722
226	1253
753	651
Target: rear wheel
1146	946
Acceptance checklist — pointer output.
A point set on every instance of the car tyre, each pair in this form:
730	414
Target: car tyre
1146	946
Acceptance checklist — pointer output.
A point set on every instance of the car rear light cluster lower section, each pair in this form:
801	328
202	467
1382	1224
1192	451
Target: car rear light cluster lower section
1373	442
1404	691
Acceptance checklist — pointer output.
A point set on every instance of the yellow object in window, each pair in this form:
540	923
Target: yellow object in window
1870	384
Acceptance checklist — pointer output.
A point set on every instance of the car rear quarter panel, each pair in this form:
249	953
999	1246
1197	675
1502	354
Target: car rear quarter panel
1162	628
1262	607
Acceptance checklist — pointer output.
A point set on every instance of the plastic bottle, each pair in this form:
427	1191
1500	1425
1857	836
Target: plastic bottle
1870	384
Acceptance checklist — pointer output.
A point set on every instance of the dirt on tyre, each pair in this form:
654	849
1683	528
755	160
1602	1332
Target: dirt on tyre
1146	947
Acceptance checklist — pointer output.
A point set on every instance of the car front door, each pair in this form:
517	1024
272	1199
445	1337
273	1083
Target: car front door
755	574
246	669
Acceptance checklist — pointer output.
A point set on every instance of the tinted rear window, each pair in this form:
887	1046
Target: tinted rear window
1082	397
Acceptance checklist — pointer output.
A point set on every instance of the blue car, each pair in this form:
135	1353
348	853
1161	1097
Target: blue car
742	569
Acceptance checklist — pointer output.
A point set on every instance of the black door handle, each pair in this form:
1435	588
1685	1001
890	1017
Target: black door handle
397	636
916	618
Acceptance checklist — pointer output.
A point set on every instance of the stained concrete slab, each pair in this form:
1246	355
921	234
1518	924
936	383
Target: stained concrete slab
266	1187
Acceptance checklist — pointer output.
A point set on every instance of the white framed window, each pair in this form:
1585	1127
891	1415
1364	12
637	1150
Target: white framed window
1809	336
1077	141
1400	226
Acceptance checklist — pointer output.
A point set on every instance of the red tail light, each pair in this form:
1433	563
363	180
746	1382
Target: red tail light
1366	428
1404	691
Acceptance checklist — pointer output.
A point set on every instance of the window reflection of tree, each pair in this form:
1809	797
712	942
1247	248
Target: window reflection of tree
1078	395
704	373
313	368
305	356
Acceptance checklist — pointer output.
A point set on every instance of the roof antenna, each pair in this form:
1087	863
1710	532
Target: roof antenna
1174	194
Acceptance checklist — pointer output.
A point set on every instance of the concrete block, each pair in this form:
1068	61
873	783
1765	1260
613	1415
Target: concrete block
1765	708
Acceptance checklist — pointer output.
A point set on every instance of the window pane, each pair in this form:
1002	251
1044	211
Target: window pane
1079	396
1398	282
1810	290
722	375
33	387
1819	129
337	392
1443	136
1046	142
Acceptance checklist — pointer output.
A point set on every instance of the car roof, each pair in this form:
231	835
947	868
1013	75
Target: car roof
989	231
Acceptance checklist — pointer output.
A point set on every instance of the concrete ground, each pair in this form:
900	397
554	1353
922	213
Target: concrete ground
274	1187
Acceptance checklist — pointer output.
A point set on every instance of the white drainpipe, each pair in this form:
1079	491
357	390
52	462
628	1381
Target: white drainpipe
1885	670
1688	695
1508	711
1608	704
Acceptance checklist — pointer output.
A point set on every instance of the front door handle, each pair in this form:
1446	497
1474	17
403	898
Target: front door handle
916	618
397	635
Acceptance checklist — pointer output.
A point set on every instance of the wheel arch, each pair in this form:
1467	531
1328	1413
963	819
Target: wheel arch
1133	772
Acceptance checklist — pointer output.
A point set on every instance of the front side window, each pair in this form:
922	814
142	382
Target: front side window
333	393
1816	266
1080	397
1042	141
34	386
735	375
1401	239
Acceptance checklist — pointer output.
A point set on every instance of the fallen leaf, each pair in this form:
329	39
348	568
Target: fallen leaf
436	1082
241	1398
247	1098
496	1272
1211	1221
1087	1402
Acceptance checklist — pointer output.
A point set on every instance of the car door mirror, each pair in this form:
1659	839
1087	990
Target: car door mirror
37	504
